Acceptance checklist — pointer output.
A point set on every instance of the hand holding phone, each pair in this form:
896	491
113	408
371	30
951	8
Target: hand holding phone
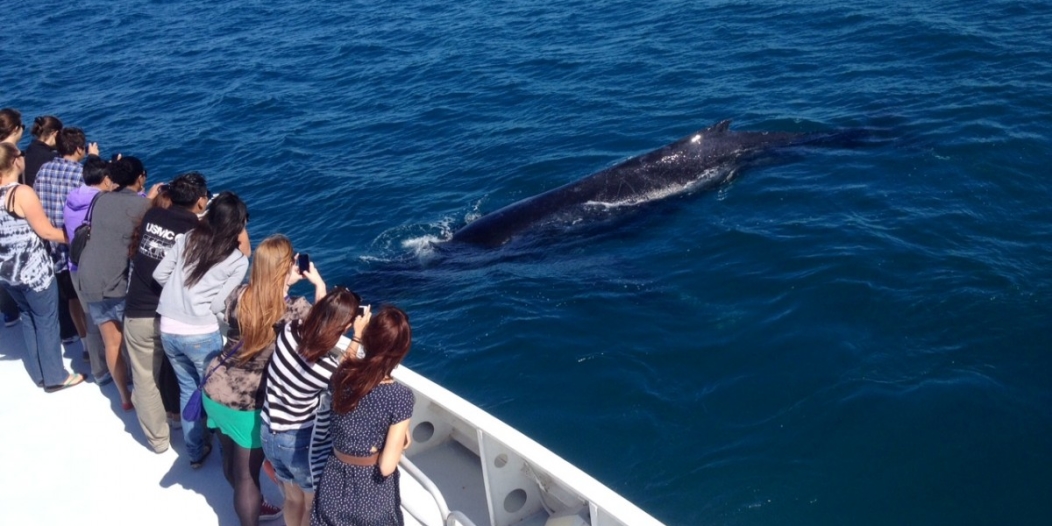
303	261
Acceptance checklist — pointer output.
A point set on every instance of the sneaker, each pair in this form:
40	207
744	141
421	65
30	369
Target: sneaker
103	380
174	423
11	319
268	511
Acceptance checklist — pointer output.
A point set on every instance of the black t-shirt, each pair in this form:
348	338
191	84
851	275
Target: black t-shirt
159	228
37	154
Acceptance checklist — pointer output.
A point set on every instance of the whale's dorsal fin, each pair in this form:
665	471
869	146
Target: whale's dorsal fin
719	127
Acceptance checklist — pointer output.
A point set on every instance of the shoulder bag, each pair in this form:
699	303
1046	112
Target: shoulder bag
82	234
195	409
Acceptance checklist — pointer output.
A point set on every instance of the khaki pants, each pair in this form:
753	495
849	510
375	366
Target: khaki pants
142	338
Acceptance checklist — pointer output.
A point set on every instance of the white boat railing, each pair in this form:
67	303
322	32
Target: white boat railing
449	518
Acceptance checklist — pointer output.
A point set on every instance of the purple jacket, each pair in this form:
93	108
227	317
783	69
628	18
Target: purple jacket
76	211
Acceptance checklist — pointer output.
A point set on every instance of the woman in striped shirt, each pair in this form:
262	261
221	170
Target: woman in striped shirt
304	359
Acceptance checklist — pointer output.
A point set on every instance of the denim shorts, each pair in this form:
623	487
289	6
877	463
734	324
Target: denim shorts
289	453
109	309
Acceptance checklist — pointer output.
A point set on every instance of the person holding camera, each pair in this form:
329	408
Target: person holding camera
369	429
305	357
233	392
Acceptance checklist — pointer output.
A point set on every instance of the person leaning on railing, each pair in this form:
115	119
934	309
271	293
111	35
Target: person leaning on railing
155	395
197	275
11	130
233	392
304	359
75	213
369	429
42	148
102	273
27	274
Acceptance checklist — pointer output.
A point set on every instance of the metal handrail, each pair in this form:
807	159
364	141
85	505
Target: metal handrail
443	509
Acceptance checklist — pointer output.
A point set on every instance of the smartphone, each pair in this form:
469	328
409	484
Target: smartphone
304	263
361	310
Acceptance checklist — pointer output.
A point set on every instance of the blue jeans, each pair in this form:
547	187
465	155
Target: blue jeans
190	355
7	304
39	311
289	454
109	309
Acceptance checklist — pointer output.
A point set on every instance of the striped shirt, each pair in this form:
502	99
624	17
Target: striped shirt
294	386
55	180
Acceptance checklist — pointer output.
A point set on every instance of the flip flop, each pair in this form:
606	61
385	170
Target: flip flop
73	379
199	462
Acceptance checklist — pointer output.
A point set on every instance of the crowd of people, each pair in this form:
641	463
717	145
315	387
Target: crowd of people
155	291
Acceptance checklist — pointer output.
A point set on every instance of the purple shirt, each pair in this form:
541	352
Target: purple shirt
76	211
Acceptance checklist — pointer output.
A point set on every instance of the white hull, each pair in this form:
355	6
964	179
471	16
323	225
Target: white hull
494	474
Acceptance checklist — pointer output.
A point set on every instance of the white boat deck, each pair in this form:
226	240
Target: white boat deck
75	457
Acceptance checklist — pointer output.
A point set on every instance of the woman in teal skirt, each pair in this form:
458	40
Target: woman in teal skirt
234	391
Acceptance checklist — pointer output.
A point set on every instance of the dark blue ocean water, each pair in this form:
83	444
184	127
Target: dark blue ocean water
847	336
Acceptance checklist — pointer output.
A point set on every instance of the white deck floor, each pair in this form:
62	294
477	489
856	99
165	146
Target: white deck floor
75	457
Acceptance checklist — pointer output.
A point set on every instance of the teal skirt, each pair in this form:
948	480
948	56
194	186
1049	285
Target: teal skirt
241	426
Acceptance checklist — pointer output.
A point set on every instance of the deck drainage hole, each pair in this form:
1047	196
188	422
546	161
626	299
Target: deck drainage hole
515	501
501	460
423	432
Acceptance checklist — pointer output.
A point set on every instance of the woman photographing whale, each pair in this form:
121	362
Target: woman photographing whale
369	429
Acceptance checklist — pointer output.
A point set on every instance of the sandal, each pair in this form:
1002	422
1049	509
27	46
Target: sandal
196	464
73	379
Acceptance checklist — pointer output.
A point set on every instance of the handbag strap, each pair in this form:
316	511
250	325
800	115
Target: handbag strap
91	208
222	360
11	199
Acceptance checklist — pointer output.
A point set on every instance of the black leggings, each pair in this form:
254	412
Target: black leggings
241	468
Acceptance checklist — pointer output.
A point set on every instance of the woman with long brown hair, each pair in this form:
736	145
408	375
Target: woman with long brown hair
304	359
233	392
197	275
369	429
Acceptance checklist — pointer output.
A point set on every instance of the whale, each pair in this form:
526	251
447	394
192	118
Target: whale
704	159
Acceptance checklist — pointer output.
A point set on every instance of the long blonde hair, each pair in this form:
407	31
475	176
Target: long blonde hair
263	303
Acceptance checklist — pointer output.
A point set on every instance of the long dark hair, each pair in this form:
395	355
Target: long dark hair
216	236
326	322
386	340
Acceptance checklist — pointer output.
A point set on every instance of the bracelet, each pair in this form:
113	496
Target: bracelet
356	340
